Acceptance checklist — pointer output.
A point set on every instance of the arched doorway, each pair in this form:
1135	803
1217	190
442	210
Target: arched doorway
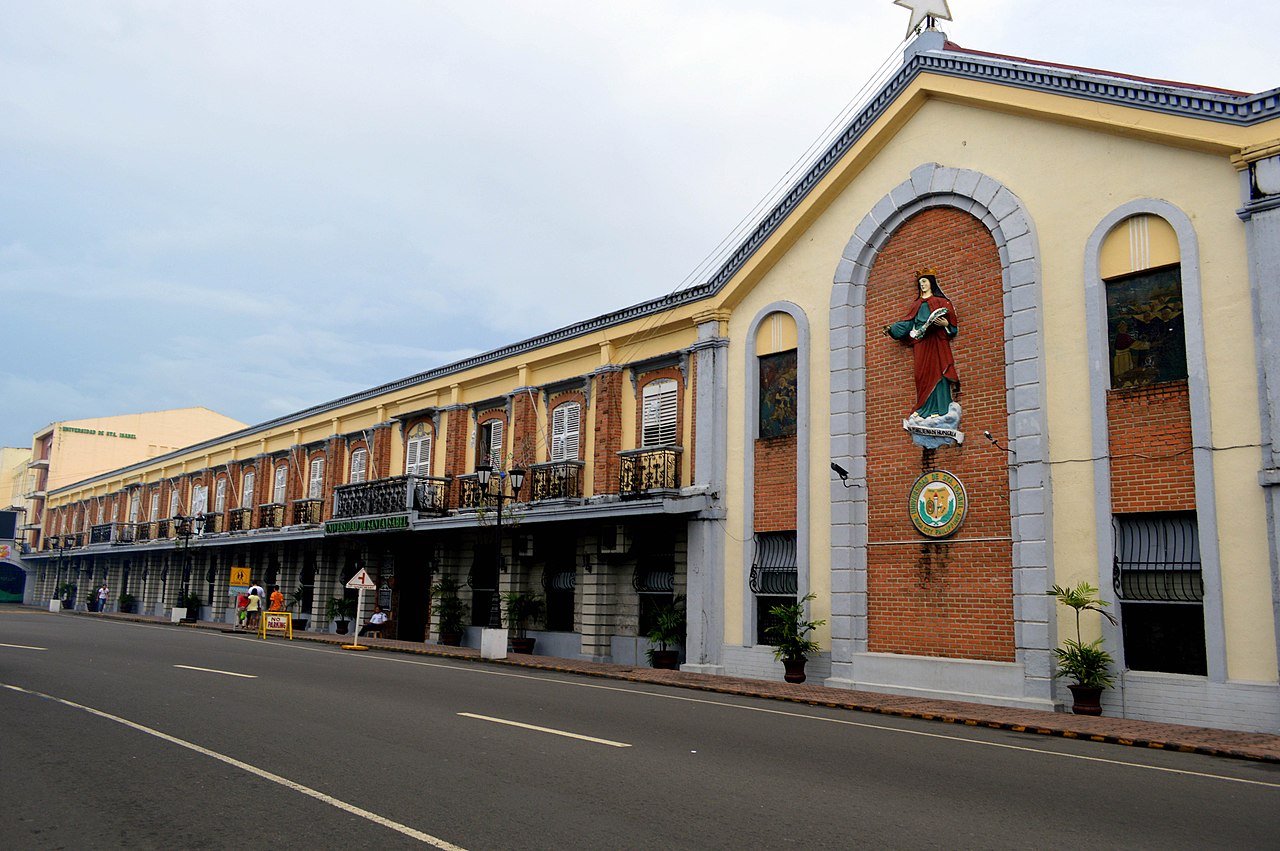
13	583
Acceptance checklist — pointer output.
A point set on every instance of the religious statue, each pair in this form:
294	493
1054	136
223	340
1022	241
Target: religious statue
928	327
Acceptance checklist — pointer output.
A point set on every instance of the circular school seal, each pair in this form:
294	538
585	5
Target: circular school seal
938	504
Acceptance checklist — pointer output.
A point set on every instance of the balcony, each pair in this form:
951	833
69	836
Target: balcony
271	515
653	471
144	532
473	496
214	522
111	533
164	529
394	495
306	512
557	480
239	519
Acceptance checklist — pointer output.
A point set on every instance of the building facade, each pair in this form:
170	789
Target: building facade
1011	330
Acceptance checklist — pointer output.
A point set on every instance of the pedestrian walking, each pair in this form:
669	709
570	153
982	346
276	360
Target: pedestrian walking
102	597
253	609
242	604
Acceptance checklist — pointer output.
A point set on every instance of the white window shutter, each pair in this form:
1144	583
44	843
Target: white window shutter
316	488
135	505
557	433
246	494
359	465
220	496
173	503
495	444
155	505
658	422
565	425
281	483
199	499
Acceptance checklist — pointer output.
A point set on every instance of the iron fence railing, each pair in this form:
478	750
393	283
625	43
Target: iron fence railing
393	495
556	480
306	512
239	519
271	515
641	471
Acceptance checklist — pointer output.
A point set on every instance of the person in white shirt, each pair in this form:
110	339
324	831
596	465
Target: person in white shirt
376	621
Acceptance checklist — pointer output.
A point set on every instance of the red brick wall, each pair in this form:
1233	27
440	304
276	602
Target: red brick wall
775	484
949	598
457	427
1150	435
523	439
608	432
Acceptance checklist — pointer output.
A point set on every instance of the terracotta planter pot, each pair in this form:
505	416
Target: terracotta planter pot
522	645
1086	700
668	660
794	669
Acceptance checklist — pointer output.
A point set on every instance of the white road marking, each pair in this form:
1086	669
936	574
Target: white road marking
564	733
23	647
216	671
252	769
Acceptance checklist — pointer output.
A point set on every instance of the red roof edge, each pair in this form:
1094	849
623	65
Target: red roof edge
952	46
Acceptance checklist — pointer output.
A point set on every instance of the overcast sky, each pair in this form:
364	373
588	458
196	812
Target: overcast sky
261	206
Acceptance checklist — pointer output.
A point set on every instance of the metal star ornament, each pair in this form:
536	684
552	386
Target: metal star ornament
921	9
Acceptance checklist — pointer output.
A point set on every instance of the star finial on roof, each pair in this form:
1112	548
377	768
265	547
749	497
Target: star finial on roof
921	9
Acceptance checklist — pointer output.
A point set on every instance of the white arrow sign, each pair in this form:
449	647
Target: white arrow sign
362	580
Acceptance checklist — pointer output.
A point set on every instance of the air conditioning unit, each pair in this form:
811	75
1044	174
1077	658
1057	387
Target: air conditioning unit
524	546
614	540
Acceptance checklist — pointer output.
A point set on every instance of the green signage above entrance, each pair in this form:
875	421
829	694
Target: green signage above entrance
368	524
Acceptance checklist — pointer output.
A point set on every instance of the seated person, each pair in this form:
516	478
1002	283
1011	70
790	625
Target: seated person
376	621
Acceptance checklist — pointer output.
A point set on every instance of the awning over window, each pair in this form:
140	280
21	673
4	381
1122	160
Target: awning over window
774	570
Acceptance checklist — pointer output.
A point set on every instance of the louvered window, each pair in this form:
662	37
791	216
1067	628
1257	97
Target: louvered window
199	499
658	423
135	505
774	577
565	427
155	505
316	486
489	449
220	496
246	495
417	451
278	489
359	463
173	502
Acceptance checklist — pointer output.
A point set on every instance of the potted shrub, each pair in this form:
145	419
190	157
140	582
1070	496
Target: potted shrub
341	610
521	608
450	612
189	608
127	603
666	635
297	600
789	634
67	594
1088	664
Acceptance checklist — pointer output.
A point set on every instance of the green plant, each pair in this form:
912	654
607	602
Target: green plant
450	612
789	632
521	608
340	608
668	627
1088	664
126	602
299	598
64	589
191	602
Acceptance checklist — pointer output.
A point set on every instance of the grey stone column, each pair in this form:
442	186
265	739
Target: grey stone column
1260	187
704	633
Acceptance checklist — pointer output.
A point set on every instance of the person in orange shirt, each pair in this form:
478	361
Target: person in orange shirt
277	600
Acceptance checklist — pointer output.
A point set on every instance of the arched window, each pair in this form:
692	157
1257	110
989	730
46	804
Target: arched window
246	492
1146	334
658	418
565	428
220	496
417	451
315	487
489	446
359	465
278	489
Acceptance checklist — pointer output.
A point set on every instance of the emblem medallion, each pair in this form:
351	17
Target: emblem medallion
938	504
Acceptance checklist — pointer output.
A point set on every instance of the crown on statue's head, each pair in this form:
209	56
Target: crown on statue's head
931	272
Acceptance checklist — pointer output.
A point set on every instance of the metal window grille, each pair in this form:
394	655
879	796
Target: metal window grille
1157	558
774	571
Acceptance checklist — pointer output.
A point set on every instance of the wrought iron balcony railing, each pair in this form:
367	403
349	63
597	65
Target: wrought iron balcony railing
306	512
271	515
239	519
394	495
214	522
144	531
111	533
556	480
472	495
641	472
164	528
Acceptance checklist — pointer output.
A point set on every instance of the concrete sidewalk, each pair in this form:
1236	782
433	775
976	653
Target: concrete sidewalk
1121	731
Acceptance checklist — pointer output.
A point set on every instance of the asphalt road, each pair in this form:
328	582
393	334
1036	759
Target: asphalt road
119	734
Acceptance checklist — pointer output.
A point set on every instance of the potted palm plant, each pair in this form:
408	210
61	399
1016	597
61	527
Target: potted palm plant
789	633
521	608
449	611
666	635
1088	664
341	610
298	600
127	603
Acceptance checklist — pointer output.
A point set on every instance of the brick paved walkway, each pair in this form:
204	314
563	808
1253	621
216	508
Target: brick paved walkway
1149	734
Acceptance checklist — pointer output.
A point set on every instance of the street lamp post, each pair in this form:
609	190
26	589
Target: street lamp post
61	543
184	528
484	473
